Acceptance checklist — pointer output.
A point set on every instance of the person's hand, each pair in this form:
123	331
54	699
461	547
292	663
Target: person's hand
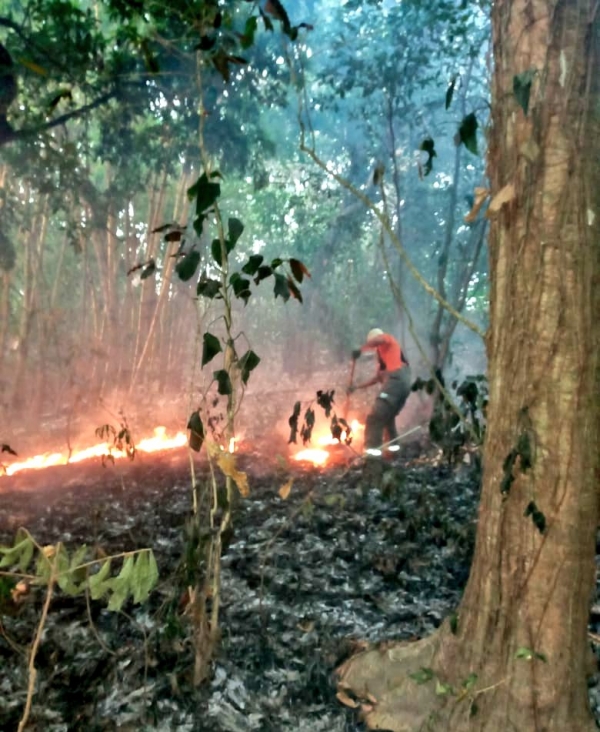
356	353
350	390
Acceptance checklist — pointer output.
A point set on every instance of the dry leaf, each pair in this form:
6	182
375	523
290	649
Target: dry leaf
285	489
226	462
480	196
503	196
345	699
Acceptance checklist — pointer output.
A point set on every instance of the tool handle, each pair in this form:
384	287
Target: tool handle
350	383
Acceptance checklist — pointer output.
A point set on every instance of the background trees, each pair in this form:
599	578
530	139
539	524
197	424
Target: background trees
103	144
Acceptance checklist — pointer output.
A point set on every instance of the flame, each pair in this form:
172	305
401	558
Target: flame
312	455
319	456
160	441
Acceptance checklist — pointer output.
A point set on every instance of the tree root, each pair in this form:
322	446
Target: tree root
387	695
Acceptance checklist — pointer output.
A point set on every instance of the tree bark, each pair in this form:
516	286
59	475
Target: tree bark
522	624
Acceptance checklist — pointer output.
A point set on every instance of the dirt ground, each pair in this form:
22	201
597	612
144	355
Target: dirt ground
306	581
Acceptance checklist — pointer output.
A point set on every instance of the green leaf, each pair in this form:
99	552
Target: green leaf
467	133
252	265
205	192
217	250
210	347
454	623
450	90
281	288
148	270
470	681
96	582
186	267
26	555
223	381
199	224
428	146
12	554
522	88
277	262
144	576
442	689
241	286
262	273
525	653
235	229
422	676
247	38
298	270
208	288
121	585
248	362
196	431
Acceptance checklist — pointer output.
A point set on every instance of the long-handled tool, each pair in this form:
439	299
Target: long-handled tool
350	385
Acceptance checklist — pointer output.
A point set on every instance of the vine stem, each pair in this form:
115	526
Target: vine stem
32	671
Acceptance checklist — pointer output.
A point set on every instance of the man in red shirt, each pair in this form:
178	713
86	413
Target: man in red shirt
394	374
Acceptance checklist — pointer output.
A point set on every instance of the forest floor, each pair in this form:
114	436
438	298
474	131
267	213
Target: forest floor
306	582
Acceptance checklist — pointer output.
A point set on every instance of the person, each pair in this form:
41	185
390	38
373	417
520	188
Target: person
393	373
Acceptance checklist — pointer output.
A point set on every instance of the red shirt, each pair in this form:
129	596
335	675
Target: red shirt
388	351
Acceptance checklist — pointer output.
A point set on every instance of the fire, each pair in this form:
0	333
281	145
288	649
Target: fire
320	455
160	441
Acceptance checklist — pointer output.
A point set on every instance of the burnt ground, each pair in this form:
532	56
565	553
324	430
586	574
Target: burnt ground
306	580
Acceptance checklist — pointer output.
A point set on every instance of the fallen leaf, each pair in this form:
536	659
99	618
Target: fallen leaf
226	462
285	489
503	196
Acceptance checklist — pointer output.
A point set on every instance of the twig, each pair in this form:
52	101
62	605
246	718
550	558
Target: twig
36	643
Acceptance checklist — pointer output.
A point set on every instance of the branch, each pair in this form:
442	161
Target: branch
12	135
383	220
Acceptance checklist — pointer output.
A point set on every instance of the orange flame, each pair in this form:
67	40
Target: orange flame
319	456
160	441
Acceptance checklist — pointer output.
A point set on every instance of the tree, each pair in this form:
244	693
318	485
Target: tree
515	656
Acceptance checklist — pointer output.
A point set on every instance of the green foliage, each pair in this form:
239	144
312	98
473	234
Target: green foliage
522	88
186	267
80	573
208	288
325	399
210	347
422	676
529	655
467	133
453	620
121	439
247	363
428	146
196	428
281	288
223	380
454	425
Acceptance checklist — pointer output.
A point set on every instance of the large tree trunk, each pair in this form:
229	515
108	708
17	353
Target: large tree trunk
522	623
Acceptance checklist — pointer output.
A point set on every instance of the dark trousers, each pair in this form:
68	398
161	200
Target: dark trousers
389	402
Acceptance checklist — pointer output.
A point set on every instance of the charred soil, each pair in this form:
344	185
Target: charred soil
338	565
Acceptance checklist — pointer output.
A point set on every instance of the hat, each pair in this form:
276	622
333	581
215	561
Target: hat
373	333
